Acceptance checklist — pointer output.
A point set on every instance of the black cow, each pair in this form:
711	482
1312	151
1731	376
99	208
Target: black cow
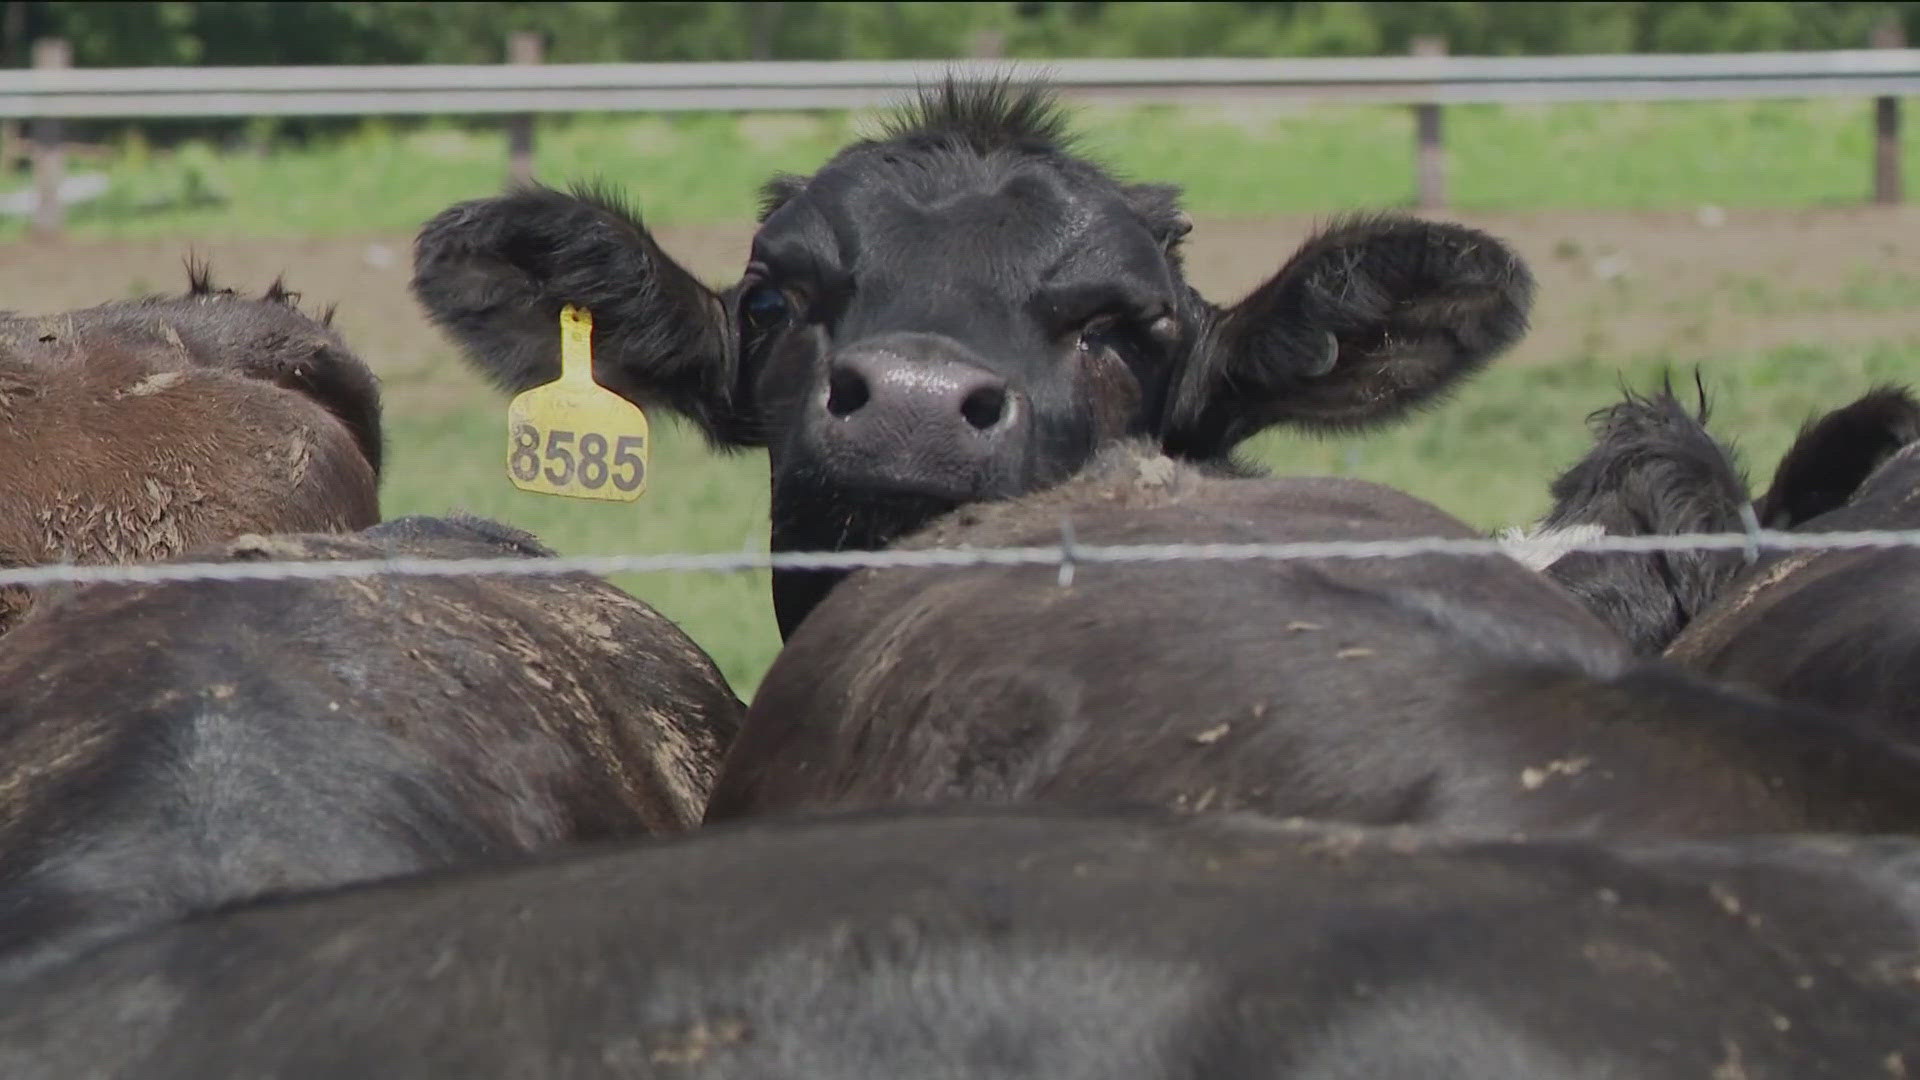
1463	692
1836	453
1042	946
170	748
1837	627
1654	470
964	309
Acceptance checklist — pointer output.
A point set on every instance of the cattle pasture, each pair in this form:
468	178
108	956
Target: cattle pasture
1233	158
1788	312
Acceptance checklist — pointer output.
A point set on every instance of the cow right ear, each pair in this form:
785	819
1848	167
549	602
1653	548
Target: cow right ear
1834	455
494	274
1370	318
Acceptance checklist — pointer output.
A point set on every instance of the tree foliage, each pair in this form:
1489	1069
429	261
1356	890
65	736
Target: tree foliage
122	32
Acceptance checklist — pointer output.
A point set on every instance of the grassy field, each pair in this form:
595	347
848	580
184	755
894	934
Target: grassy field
1241	162
1791	298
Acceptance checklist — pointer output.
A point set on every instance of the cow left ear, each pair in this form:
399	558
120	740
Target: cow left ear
1371	318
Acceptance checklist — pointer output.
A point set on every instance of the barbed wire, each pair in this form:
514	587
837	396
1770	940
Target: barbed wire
1066	555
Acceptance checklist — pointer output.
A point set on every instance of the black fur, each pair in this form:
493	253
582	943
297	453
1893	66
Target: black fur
1032	946
170	748
278	293
984	117
200	278
1839	628
968	236
1411	304
775	193
461	528
494	273
1834	454
1654	470
1464	695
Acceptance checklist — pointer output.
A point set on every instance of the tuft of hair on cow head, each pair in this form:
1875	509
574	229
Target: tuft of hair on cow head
269	338
963	307
1835	453
200	277
1654	470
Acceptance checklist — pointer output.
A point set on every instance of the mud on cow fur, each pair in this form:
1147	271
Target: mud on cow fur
170	748
1837	627
1464	693
136	429
1033	946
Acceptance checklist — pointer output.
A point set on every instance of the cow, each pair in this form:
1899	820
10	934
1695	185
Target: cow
134	430
964	309
1835	454
170	748
1838	627
1032	946
1459	692
1654	470
1823	627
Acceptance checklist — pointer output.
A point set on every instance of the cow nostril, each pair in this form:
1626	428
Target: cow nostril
846	392
984	407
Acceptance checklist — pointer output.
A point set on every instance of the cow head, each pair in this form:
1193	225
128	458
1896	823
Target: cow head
1654	470
963	309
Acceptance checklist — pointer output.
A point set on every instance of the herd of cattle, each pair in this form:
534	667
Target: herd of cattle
1618	815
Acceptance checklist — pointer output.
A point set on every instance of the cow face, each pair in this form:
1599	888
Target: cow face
962	309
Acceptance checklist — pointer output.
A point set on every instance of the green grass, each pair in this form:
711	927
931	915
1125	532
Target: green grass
1485	455
1246	162
695	501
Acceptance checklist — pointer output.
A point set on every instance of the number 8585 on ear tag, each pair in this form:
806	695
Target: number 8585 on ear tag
574	437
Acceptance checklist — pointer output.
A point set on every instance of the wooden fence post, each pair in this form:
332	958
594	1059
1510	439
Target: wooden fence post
1889	34
524	47
13	34
1430	152
49	157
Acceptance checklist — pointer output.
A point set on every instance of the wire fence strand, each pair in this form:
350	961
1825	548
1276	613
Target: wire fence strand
1064	555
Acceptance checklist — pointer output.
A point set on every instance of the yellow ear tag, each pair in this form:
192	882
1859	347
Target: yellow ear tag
574	437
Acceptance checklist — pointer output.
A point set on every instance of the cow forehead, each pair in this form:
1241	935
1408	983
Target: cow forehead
1006	232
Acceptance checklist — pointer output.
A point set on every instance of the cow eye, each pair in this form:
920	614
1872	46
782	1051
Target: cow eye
1101	335
765	308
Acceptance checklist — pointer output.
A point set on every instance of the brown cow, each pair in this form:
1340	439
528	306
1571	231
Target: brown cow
136	429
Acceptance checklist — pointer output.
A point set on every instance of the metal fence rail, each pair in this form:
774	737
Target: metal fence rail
53	91
1065	555
512	89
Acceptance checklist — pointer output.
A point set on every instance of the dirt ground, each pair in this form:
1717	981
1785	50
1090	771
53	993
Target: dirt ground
1610	282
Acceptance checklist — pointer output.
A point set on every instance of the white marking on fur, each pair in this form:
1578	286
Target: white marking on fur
1539	548
153	384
